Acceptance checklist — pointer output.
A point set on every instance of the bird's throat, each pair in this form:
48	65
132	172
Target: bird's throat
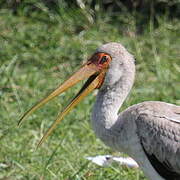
108	102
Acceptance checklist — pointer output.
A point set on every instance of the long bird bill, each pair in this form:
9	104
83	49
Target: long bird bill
89	70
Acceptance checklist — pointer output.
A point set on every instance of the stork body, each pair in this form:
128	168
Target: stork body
146	133
149	132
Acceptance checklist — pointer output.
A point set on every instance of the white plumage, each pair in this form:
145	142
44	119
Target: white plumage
148	132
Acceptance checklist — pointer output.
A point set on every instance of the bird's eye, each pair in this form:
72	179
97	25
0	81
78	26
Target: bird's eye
103	59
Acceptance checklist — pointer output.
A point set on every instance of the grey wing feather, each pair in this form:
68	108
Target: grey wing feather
159	132
172	119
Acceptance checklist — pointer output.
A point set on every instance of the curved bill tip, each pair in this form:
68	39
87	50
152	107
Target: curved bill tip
84	72
89	86
88	70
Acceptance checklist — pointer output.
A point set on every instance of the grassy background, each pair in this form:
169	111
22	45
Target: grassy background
39	51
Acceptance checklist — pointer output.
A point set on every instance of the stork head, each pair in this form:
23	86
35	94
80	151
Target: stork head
122	64
107	59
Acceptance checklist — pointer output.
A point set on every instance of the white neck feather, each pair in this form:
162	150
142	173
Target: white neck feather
109	100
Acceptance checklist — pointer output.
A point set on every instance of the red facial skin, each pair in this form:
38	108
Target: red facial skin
97	60
102	61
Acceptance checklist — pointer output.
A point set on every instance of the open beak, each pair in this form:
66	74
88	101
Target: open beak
89	70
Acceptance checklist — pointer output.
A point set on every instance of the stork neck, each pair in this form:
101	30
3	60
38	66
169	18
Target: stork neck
109	100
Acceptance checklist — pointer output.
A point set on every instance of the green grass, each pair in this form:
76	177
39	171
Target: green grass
39	52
